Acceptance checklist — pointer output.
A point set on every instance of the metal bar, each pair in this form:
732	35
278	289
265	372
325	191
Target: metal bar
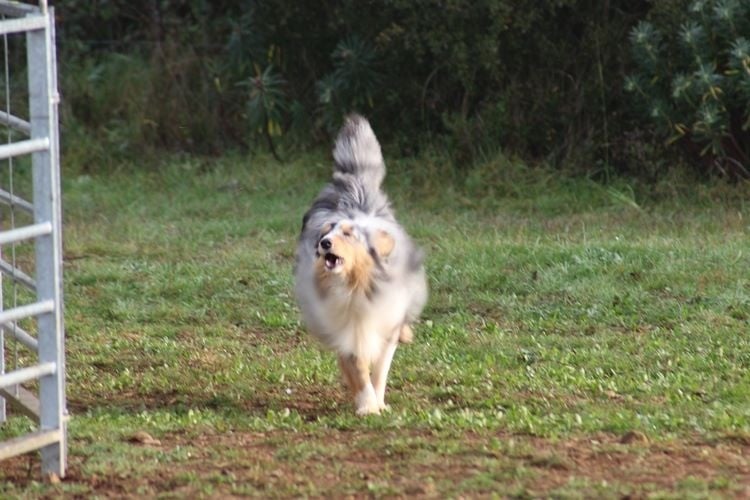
21	335
29	442
24	147
21	400
26	374
20	312
43	100
25	233
2	350
23	24
16	9
16	201
15	122
17	275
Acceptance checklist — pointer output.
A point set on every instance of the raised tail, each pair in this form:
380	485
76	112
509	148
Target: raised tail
357	152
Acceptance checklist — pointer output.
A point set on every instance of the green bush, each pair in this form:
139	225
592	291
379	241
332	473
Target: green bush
352	84
692	80
541	80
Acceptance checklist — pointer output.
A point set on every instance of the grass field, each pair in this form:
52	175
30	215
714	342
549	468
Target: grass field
580	341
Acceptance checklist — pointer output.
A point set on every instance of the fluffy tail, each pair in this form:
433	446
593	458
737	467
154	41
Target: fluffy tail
357	152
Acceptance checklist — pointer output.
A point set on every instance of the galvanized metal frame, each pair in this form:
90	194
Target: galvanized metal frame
37	22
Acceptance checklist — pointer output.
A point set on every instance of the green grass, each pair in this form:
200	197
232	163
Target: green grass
563	314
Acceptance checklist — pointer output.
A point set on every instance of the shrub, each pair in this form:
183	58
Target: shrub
266	105
541	80
692	80
352	83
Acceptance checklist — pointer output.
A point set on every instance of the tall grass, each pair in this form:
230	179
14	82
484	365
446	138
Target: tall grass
130	107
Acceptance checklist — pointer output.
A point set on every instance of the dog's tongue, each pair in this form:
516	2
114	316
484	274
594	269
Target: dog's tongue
331	260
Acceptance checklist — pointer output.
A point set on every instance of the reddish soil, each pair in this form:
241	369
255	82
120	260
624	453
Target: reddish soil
343	463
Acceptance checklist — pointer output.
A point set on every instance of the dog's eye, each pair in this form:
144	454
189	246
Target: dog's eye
347	233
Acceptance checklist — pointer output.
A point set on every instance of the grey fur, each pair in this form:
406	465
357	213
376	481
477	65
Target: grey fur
354	195
357	153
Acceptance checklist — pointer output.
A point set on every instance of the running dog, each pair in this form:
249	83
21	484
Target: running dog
360	279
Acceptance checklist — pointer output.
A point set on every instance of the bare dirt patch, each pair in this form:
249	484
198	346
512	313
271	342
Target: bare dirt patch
399	463
643	466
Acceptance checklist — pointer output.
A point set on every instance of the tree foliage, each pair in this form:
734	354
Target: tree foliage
543	80
693	80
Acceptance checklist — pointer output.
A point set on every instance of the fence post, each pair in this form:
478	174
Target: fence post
43	99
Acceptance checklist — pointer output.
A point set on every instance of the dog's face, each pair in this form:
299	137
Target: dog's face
350	252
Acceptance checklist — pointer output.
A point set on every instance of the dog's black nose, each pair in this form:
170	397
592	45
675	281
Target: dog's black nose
325	244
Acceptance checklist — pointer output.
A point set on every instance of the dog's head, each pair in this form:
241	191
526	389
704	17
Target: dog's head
350	254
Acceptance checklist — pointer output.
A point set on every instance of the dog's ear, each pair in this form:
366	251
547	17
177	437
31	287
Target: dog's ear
383	243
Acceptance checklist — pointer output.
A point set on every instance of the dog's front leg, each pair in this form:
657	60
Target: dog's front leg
380	369
357	376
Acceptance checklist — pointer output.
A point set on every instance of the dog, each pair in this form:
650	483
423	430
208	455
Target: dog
359	278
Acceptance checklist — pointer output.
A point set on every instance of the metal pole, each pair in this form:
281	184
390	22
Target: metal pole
2	348
39	309
43	99
23	147
15	122
26	374
26	232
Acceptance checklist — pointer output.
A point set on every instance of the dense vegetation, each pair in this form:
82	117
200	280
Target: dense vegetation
693	80
542	80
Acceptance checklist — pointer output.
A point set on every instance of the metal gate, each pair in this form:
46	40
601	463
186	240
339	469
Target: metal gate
32	361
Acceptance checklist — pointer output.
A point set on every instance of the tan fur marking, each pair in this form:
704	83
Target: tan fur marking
356	372
406	335
323	279
358	264
360	272
347	375
383	243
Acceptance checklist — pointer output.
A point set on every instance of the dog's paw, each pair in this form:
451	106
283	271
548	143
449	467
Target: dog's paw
366	402
368	410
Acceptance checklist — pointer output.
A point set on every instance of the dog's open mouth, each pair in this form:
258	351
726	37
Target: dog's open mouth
332	260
